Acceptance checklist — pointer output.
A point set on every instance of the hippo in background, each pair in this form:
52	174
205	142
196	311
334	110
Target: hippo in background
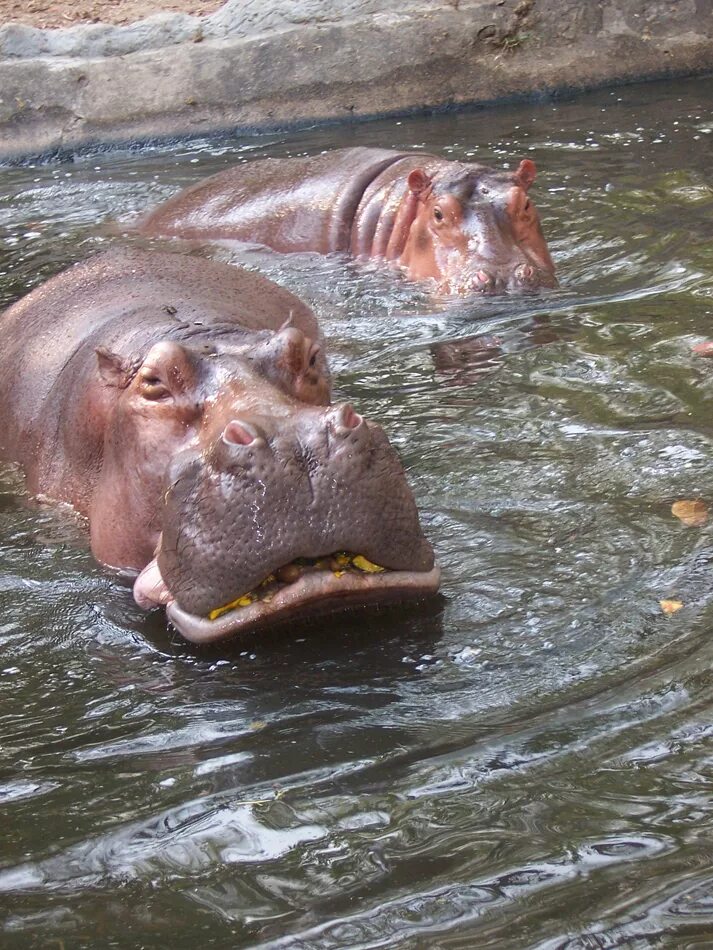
183	406
467	227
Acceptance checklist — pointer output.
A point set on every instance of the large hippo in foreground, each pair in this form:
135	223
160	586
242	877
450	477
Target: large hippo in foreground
183	406
469	228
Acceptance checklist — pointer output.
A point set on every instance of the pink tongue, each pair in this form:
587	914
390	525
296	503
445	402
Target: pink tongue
149	587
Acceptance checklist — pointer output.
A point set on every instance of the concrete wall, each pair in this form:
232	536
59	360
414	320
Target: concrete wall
261	64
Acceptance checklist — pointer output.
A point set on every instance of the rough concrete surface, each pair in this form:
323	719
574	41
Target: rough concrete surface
255	64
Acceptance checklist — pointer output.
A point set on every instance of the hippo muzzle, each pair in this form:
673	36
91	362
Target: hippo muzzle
485	278
276	518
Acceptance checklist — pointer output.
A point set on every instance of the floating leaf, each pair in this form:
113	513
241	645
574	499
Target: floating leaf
691	513
670	606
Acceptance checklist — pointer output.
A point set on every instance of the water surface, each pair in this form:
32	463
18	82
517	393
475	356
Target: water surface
526	762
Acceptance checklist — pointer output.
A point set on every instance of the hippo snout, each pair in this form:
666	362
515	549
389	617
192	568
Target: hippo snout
518	278
490	278
317	495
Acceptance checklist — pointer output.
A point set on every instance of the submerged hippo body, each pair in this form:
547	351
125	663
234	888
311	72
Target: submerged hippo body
468	227
183	407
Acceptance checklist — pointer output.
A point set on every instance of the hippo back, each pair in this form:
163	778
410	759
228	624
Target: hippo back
294	204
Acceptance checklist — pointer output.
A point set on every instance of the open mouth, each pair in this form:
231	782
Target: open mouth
305	586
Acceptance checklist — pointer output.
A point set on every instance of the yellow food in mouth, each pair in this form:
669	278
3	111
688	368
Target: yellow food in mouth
339	564
368	567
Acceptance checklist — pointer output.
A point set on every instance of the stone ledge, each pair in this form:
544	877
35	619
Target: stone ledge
327	60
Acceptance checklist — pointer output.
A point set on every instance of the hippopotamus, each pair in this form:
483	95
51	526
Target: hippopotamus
183	406
466	227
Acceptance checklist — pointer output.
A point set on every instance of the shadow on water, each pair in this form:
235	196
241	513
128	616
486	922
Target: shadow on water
526	761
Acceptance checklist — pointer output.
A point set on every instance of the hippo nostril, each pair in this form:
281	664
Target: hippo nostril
238	432
525	274
484	278
345	419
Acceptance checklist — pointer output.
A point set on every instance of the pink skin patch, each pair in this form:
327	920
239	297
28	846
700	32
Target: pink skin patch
703	349
239	433
345	418
150	589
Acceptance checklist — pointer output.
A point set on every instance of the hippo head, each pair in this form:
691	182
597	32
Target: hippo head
476	231
242	495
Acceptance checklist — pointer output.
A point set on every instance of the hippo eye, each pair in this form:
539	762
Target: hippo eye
527	205
152	386
438	214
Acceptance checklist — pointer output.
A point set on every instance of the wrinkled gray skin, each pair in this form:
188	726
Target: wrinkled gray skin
312	486
163	397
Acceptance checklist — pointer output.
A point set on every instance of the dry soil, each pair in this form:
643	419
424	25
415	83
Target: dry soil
44	13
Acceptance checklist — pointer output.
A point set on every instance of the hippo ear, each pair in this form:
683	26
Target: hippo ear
115	370
526	173
419	182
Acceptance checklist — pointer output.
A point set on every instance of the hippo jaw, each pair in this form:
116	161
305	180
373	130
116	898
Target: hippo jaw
316	590
261	526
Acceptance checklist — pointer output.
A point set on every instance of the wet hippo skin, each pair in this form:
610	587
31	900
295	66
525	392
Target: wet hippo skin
183	406
466	227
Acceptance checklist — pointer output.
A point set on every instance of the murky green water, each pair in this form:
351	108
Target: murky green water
526	763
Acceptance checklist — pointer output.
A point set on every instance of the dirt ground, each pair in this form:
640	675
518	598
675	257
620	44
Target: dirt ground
56	13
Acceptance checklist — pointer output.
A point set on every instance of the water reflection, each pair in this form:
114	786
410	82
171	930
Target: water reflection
530	755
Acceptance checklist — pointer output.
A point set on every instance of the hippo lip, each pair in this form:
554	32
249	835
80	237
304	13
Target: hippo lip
314	591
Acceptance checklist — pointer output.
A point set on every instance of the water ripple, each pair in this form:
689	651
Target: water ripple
528	759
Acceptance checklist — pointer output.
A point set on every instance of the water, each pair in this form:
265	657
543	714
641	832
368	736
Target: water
526	762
